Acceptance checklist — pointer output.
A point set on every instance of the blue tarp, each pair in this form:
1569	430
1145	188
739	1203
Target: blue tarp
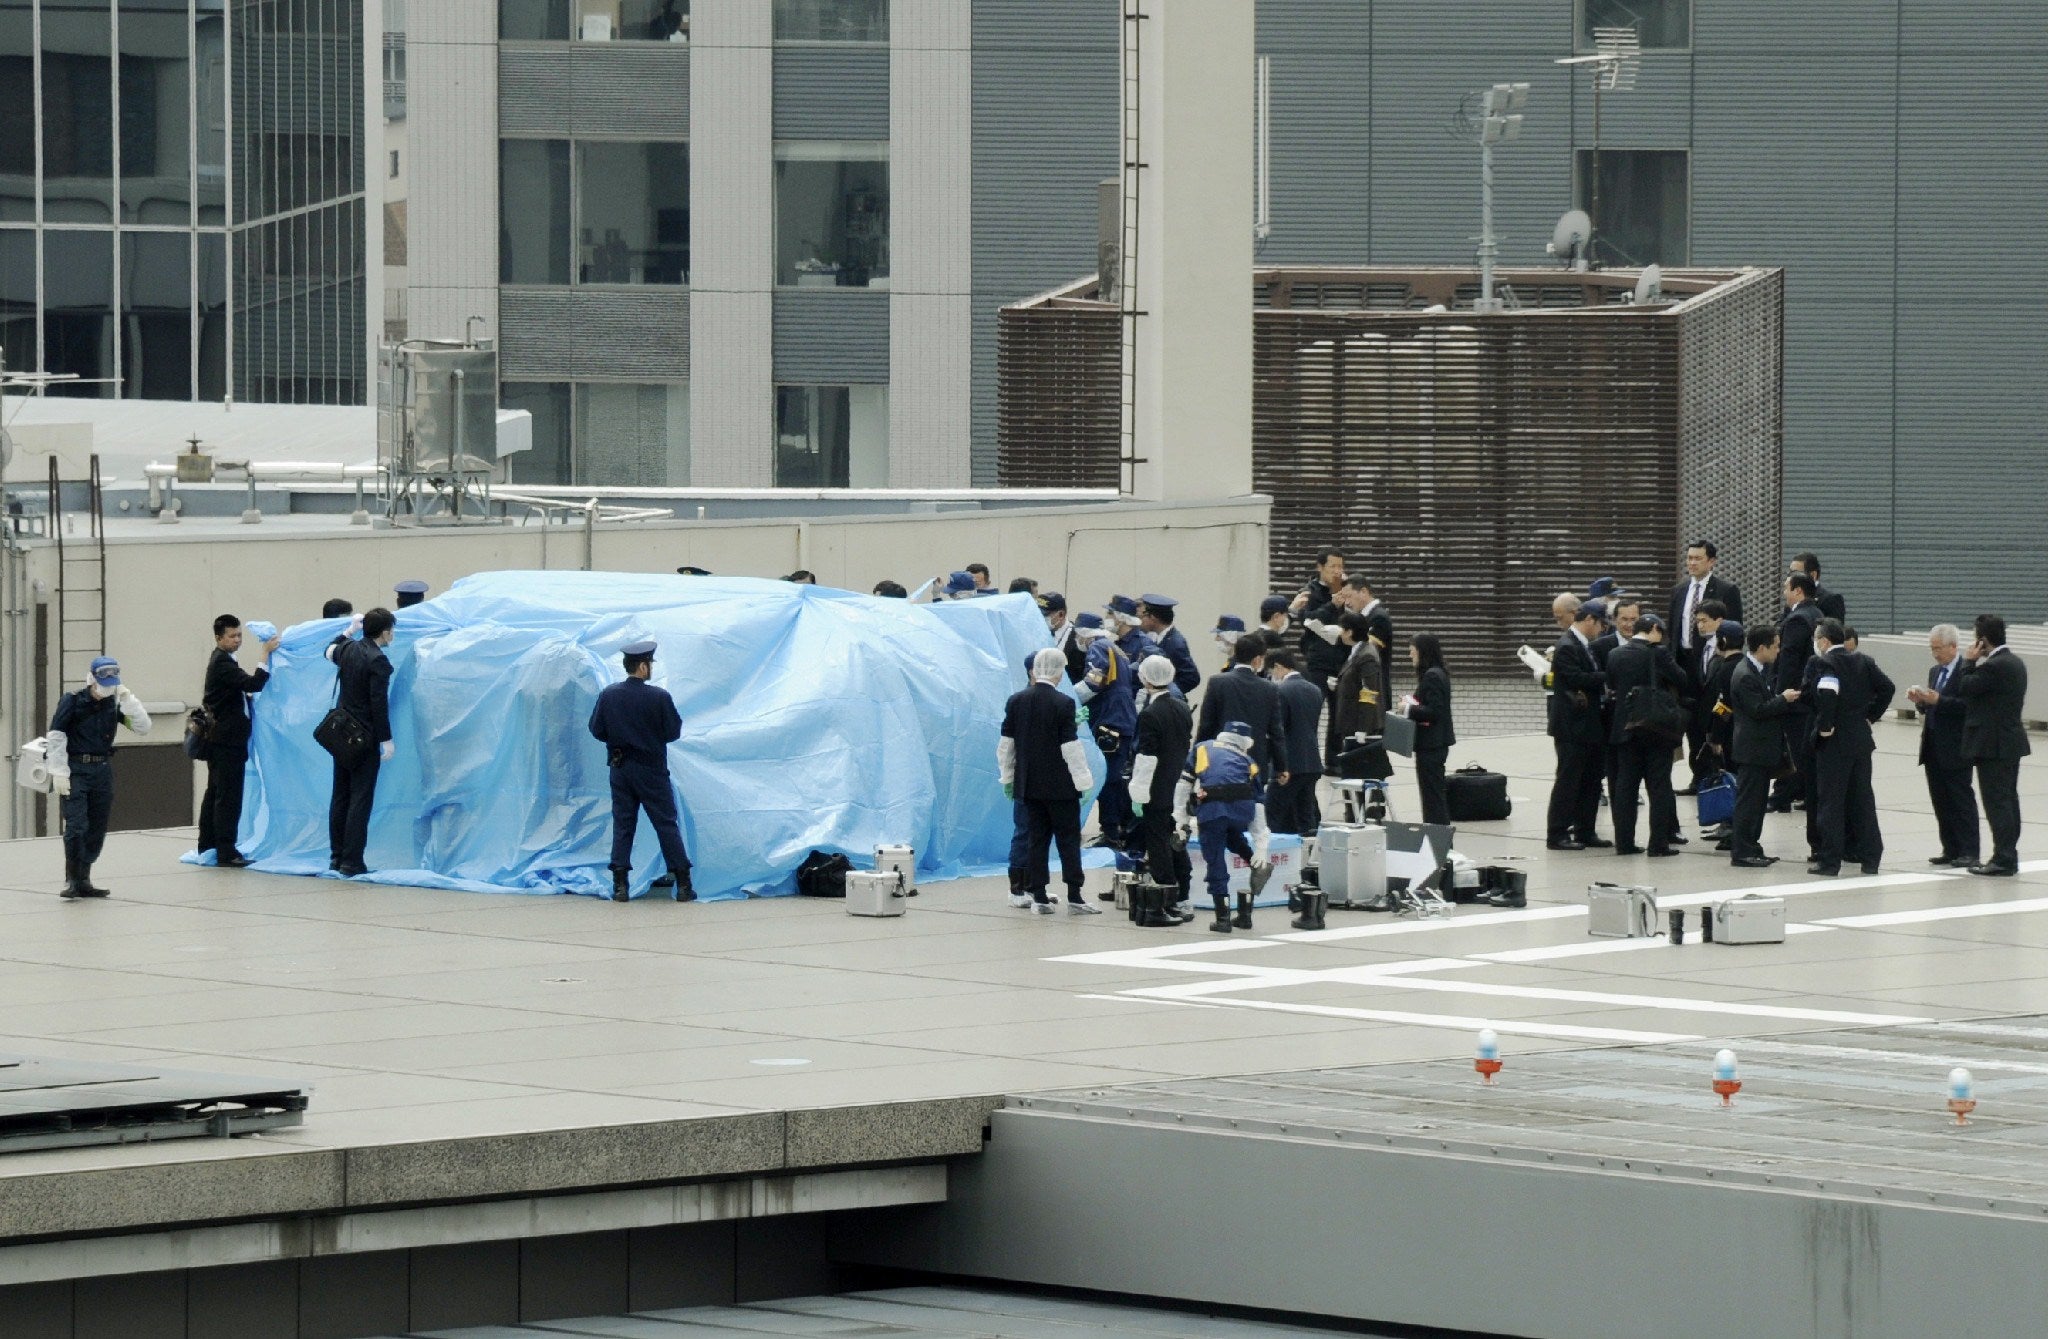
813	719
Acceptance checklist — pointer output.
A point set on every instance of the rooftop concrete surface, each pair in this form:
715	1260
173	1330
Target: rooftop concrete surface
468	1045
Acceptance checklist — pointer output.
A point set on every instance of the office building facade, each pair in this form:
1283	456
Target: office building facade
181	197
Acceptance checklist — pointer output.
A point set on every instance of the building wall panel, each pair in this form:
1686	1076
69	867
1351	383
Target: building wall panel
833	336
832	92
555	334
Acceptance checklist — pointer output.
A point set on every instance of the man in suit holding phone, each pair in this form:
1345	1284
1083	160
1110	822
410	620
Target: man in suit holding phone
1994	693
1942	709
1576	686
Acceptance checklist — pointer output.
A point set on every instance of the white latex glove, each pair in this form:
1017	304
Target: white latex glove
132	711
386	750
60	786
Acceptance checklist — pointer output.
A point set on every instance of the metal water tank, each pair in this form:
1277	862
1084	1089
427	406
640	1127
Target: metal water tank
453	391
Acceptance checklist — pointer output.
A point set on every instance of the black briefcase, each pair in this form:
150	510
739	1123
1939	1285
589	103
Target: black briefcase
1400	735
344	737
1477	795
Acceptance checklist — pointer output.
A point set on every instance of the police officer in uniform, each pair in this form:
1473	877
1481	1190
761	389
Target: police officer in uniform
410	593
1851	694
1155	618
1223	789
87	719
636	722
1109	691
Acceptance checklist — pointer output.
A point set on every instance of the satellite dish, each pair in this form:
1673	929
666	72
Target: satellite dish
1650	287
1568	241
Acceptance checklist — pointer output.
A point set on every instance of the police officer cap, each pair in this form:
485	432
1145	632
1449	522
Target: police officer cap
1230	623
1122	604
1087	620
1271	605
638	651
1603	586
1052	602
1158	601
1649	623
1592	609
106	672
959	583
413	586
688	571
1236	728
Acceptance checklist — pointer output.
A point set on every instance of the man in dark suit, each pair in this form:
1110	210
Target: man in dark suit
1165	734
1042	762
1642	760
1757	742
1795	648
1994	691
1319	602
226	695
1850	694
1576	686
1700	585
1830	604
1243	693
1696	663
1942	709
1291	805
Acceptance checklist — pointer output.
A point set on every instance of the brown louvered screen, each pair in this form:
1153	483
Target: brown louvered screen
1472	467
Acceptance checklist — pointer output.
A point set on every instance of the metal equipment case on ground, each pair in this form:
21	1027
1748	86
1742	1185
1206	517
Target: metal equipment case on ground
876	893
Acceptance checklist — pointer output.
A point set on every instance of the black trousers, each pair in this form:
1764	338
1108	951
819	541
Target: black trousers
1047	822
1844	806
1752	797
1429	779
1292	807
1166	864
1998	780
1955	810
1575	795
1643	765
220	810
348	813
1799	748
636	786
85	811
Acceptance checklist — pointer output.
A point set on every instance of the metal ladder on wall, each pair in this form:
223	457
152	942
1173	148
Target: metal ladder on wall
1132	182
81	582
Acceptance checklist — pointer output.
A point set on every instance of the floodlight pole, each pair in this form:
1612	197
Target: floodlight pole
1489	244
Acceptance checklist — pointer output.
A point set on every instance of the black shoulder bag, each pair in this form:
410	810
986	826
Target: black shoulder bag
345	738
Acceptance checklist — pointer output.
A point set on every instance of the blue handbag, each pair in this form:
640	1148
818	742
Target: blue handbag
1717	801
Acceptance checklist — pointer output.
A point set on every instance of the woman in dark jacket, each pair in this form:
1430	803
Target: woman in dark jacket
1430	709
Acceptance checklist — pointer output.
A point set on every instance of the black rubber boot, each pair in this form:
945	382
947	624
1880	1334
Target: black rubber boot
1243	919
1313	906
619	893
71	888
1221	925
1158	916
85	883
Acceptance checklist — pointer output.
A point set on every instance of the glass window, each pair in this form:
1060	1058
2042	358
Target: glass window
156	315
533	20
78	114
156	155
18	299
1661	25
550	461
1640	214
533	211
831	437
78	310
213	316
210	65
17	111
594	20
633	435
832	215
634	225
831	20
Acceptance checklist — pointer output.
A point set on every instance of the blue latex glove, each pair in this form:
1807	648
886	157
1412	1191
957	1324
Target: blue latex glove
1009	790
1137	809
1080	715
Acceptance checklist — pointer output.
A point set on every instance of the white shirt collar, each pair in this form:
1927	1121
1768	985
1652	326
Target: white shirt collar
1584	640
1754	663
1368	609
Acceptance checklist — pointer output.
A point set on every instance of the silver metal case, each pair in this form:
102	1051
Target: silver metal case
899	859
1353	862
1619	911
1749	920
875	893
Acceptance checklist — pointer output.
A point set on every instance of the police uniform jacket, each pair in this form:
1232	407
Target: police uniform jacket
1136	645
1301	715
1166	729
1038	722
637	719
1758	739
1941	725
1637	664
1576	687
1851	694
1187	676
1239	694
1115	704
365	674
88	723
225	695
1225	779
1994	691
